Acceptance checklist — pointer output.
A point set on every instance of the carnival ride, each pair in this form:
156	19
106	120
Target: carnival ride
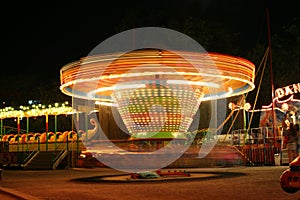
156	92
18	147
136	82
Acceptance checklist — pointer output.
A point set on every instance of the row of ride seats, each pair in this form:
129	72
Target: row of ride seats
70	136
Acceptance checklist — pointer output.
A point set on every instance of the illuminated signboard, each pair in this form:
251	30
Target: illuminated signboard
287	90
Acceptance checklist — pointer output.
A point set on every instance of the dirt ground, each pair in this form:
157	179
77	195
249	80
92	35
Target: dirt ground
214	183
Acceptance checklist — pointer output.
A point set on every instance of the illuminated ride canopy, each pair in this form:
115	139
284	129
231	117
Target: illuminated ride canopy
157	92
36	110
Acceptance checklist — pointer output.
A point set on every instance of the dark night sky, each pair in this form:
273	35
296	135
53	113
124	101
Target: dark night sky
39	38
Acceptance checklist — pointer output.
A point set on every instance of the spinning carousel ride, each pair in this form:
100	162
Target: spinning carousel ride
157	92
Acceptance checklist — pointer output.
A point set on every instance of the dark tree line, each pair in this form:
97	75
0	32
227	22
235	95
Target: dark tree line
233	27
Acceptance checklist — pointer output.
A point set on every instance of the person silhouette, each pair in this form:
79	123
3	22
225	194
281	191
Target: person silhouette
292	142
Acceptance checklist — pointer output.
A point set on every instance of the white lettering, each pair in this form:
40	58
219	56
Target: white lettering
279	92
296	87
288	90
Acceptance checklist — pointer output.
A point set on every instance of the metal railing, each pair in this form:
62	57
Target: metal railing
29	158
260	135
259	145
58	159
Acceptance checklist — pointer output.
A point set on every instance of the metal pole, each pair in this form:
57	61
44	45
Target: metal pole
77	128
27	131
46	132
248	119
232	122
244	120
55	130
18	125
27	124
1	128
86	126
271	76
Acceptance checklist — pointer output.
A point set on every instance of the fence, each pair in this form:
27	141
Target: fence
258	146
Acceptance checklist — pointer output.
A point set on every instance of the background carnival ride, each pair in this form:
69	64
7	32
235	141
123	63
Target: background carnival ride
19	146
285	103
